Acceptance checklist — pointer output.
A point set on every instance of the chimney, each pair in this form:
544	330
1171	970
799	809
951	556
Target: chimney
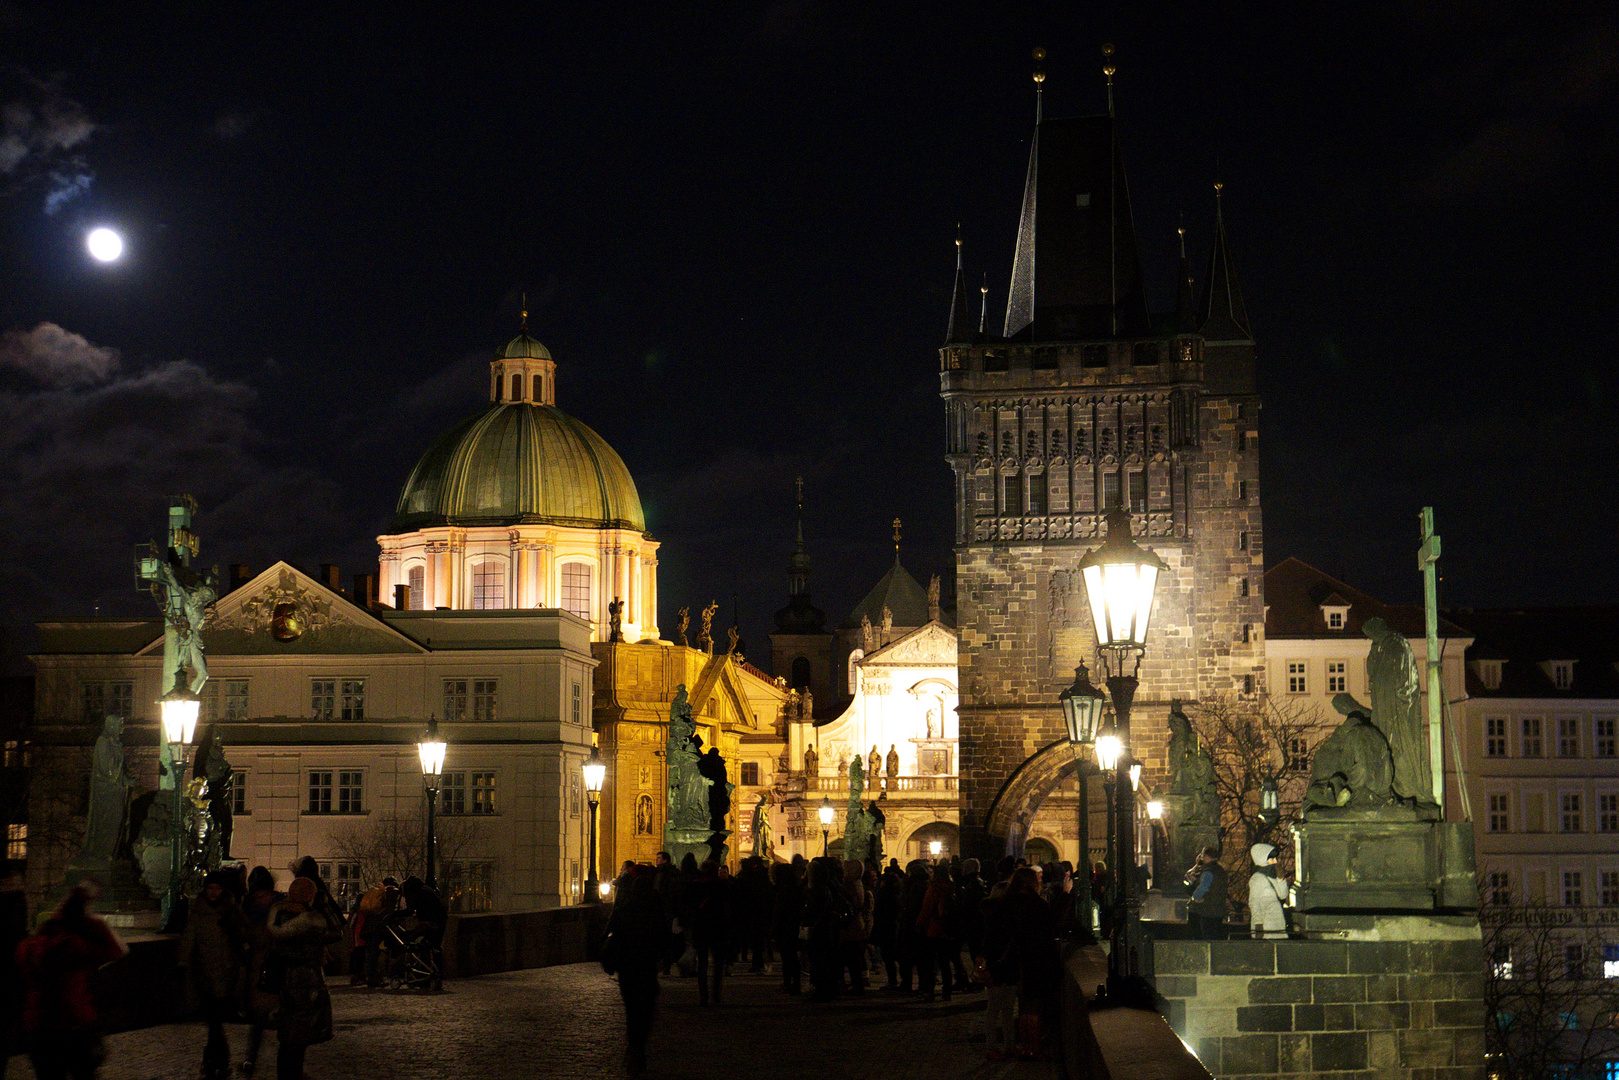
331	577
401	597
365	590
239	575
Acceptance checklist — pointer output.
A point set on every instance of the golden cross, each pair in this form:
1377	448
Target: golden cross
896	536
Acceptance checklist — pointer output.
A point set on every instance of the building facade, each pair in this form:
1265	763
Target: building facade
1084	402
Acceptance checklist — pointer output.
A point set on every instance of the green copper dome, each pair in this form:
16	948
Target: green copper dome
520	463
523	347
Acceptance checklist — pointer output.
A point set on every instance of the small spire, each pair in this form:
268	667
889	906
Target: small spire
983	301
960	328
1108	68
1039	82
1224	316
522	327
1185	313
896	541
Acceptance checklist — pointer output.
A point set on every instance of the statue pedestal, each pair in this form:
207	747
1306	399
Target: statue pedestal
1384	860
122	892
700	844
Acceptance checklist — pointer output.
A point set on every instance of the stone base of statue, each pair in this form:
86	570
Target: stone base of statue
124	901
1185	843
694	842
1388	860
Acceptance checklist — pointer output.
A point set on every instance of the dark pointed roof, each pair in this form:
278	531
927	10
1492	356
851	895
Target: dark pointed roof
961	321
800	616
906	601
1225	318
1295	592
1076	273
1185	306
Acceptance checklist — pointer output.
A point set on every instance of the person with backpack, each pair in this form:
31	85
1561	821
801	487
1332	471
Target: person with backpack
372	915
1207	908
937	931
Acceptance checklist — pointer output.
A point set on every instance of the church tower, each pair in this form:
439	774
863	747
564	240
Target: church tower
1087	400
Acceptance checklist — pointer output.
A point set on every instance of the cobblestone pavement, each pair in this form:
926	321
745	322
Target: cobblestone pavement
568	1022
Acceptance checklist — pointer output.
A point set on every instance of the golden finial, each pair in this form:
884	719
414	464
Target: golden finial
1181	229
800	482
523	328
1218	187
1108	67
1039	72
896	539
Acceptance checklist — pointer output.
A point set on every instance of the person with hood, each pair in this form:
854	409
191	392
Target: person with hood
885	922
936	926
300	930
1267	895
211	950
376	905
260	997
59	1014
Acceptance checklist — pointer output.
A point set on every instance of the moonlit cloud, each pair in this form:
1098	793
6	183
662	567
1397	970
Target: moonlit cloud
41	133
57	357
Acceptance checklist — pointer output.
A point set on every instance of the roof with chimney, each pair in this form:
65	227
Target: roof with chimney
1526	642
1296	594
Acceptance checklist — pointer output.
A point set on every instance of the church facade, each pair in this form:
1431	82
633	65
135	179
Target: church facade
1086	401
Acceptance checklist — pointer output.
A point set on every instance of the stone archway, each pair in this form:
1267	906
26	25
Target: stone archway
1024	791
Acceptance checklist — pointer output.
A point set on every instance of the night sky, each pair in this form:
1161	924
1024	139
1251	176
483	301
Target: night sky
734	227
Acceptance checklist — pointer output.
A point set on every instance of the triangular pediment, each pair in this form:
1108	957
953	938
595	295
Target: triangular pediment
929	645
286	612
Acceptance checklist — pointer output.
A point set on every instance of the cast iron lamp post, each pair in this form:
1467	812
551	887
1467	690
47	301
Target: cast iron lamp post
595	770
826	813
179	708
1082	708
431	750
1120	579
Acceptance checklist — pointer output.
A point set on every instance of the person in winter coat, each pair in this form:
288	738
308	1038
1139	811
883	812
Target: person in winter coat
376	905
856	933
637	934
885	921
1001	971
1033	931
300	929
1207	908
211	950
787	906
709	911
936	928
59	1014
912	942
1267	895
825	907
259	1002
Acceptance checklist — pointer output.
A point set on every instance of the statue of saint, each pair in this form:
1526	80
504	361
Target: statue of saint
856	825
812	762
1352	768
712	767
1397	710
212	767
186	596
934	729
643	815
888	625
705	634
615	620
874	765
109	796
893	761
933	598
761	828
1191	770
688	787
868	636
682	622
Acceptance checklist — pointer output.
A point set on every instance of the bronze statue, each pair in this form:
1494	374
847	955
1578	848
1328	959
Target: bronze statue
109	797
1191	771
1353	769
615	620
681	624
1397	710
705	634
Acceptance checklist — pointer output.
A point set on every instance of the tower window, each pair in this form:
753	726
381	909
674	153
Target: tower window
517	387
801	672
488	585
1110	490
418	586
1013	495
1138	491
1242	541
576	589
539	388
1037	495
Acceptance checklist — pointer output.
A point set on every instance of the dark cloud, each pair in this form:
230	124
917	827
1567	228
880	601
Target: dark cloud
41	132
57	357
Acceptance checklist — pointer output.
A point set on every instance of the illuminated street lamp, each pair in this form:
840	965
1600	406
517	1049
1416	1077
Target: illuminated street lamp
430	748
826	813
1135	775
1270	811
595	770
178	709
1109	748
1121	579
935	848
1155	811
1082	705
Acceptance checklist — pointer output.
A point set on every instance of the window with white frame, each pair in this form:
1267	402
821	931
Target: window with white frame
1573	968
577	703
322	699
1335	618
1501	961
352	703
576	589
1489	673
1498	887
350	791
1500	817
1562	674
1337	677
1603	728
1529	745
488	585
1608	812
343	878
1568	736
1298	755
483	793
224	699
1495	736
1608	896
320	792
1610	970
417	577
483	699
17	841
238	792
1572	818
1573	891
470	699
452	793
1298	682
104	699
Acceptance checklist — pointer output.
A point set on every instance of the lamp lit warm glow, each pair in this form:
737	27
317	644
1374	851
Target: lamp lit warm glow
1135	776
826	813
606	889
595	773
935	848
1108	750
431	750
1120	578
179	712
1155	810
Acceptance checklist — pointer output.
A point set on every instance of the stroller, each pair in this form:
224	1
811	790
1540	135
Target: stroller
412	957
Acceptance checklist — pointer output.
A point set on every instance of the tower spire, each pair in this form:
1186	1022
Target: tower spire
1185	315
1020	295
799	616
960	329
1108	68
983	301
896	541
1225	318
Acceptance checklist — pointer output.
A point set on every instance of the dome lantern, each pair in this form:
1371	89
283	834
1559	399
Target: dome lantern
524	371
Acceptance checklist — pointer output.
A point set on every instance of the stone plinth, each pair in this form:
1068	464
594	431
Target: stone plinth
1383	862
1393	1009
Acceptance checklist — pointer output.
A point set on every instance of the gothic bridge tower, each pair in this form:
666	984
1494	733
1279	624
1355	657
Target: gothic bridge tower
1085	400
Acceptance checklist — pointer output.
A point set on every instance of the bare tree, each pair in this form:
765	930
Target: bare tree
392	842
1550	1008
1255	741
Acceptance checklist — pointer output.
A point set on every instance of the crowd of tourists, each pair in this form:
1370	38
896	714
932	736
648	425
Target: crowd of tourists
930	929
249	952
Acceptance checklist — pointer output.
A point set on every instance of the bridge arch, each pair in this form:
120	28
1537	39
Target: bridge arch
1025	790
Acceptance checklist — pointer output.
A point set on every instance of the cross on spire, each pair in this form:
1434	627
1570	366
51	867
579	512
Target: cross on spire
896	539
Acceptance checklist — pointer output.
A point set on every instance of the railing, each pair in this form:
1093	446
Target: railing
895	784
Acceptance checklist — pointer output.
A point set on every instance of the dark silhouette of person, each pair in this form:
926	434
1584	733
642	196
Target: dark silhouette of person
712	766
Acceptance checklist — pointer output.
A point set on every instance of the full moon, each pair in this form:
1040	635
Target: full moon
104	244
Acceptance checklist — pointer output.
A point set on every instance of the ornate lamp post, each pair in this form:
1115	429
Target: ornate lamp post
179	708
1082	708
1120	580
431	750
595	770
826	812
1155	815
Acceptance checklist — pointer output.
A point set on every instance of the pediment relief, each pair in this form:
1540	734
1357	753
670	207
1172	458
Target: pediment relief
932	644
285	612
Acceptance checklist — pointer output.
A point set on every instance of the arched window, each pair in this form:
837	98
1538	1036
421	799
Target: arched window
489	585
539	392
418	588
854	679
801	672
576	589
517	387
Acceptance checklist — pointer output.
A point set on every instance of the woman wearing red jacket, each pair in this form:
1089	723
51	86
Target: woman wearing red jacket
59	1014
